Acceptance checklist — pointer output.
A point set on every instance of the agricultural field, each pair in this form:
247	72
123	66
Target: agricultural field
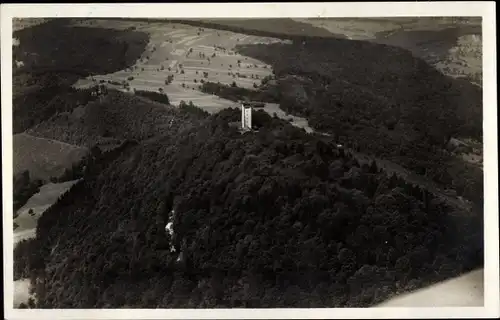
44	158
190	56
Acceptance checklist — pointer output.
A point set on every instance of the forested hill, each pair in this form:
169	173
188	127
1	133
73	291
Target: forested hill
55	55
263	219
58	46
378	99
116	115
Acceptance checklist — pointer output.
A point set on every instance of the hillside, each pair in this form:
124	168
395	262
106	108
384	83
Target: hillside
404	111
451	44
44	158
55	56
55	45
256	215
117	116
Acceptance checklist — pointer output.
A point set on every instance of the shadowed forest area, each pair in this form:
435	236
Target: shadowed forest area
273	218
397	107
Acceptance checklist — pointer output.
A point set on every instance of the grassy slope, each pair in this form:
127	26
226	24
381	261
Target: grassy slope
44	158
39	202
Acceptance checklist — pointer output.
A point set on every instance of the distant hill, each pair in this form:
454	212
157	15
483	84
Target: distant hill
55	44
264	27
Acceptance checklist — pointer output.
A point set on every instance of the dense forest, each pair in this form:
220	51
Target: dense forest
405	111
56	45
116	116
23	188
271	218
155	96
55	56
234	93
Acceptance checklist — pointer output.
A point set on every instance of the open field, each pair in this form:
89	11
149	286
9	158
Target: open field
44	158
186	53
22	291
39	202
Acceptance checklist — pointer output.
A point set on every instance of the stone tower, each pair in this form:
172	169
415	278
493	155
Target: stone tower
246	117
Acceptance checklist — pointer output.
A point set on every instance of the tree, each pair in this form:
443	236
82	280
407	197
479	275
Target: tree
31	303
233	84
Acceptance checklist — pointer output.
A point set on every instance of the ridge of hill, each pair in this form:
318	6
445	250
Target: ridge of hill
117	116
256	215
404	111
